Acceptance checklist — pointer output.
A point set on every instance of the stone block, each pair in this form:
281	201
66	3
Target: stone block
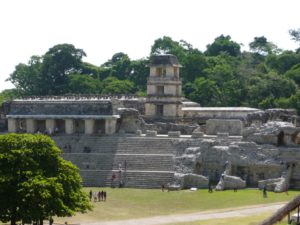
230	182
151	133
174	134
197	134
222	135
190	180
233	127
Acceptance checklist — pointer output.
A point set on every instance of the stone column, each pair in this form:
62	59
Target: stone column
110	126
50	125
89	126
70	126
12	125
30	126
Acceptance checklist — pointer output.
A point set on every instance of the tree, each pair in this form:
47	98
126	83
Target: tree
295	34
205	92
9	94
27	78
35	182
83	84
60	61
112	85
223	44
283	62
167	45
48	74
294	74
261	46
139	73
194	65
119	66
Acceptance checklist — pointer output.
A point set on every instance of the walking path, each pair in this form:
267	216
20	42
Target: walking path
169	219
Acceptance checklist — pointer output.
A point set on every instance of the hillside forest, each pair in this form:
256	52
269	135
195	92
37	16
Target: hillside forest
222	75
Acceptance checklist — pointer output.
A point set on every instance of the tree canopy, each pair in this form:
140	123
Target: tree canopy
237	78
35	182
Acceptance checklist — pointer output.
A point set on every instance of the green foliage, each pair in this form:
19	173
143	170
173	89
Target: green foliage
222	76
83	84
112	85
295	34
206	92
166	45
35	182
60	61
261	46
27	77
223	44
283	62
294	74
9	94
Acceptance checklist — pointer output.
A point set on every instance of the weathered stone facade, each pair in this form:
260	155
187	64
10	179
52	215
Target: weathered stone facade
164	139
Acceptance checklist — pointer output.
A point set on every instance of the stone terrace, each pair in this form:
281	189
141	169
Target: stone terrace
149	160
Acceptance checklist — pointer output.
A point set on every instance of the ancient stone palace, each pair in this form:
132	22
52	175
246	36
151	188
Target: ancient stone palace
163	138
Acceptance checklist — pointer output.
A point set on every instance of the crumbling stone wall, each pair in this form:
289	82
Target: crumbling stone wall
232	127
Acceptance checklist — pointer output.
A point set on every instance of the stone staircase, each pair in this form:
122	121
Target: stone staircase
148	160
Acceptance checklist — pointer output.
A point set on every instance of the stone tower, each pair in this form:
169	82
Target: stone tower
163	87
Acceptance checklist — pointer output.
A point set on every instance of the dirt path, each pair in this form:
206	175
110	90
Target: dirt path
225	213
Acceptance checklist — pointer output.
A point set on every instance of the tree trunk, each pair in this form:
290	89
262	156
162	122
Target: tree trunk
13	219
41	221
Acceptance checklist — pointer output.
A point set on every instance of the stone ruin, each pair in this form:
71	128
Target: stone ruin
164	138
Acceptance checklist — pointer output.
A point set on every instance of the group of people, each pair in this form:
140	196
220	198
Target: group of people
97	196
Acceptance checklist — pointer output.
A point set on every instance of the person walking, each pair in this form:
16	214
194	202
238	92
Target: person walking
104	196
91	195
265	191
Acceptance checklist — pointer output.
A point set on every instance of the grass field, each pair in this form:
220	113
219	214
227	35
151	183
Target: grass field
248	220
137	203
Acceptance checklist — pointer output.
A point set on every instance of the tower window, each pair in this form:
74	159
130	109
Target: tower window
161	71
160	90
159	110
176	72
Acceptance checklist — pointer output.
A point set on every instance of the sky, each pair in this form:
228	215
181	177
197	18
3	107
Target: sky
104	27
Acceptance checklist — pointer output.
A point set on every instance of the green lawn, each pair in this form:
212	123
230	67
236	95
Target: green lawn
137	203
251	220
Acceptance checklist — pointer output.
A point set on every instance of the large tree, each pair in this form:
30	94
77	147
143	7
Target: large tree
48	74
35	182
223	44
27	78
60	61
262	46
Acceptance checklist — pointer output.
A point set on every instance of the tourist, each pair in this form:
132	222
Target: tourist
210	189
265	191
51	220
120	184
99	196
56	130
162	187
113	177
95	196
91	195
104	195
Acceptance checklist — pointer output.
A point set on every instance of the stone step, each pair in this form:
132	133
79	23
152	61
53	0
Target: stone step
110	161
140	179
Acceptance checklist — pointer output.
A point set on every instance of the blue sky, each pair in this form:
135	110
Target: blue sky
104	27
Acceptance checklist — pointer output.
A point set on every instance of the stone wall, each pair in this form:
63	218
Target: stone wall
61	108
232	127
164	128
